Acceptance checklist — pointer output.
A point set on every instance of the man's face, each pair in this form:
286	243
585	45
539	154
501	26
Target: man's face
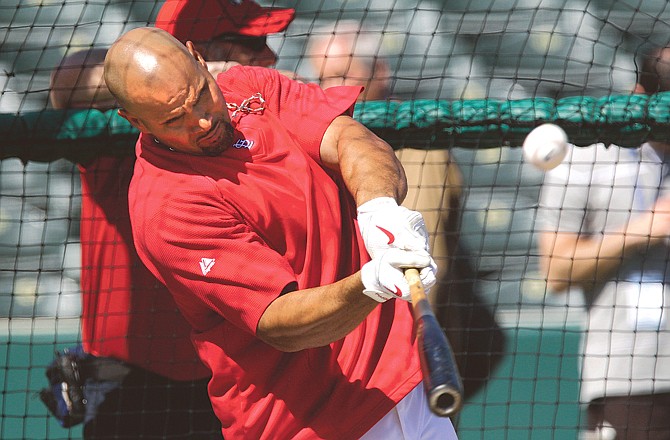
246	50
187	113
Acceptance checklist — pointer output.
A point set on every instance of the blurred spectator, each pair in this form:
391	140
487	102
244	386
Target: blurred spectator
347	54
128	315
78	83
605	226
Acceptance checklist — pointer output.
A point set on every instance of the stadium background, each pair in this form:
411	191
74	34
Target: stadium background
445	50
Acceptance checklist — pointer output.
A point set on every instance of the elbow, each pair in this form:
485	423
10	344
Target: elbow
287	341
556	282
286	345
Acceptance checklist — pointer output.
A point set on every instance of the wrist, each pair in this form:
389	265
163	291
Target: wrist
378	296
377	204
370	283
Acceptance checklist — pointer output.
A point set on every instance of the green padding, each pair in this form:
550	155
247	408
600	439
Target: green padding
626	120
78	135
577	110
84	124
423	114
377	114
657	108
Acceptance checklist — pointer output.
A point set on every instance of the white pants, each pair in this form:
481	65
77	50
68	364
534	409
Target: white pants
411	419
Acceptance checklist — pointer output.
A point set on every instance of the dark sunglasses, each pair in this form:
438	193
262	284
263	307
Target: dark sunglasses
255	44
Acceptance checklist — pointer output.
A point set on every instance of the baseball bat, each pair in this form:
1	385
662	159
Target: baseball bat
440	374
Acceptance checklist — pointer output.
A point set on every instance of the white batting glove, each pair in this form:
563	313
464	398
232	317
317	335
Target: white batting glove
384	278
384	224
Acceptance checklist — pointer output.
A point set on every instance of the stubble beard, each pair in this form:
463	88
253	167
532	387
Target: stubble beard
226	141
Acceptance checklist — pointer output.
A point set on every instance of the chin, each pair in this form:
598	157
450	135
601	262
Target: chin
214	150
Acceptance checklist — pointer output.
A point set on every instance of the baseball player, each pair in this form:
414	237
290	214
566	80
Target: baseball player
243	203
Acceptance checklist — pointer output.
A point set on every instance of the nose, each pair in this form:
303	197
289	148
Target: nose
200	120
205	123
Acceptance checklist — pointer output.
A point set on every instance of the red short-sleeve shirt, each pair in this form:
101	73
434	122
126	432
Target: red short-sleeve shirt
228	234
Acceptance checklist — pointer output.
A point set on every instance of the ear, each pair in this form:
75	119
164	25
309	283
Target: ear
134	121
638	89
196	54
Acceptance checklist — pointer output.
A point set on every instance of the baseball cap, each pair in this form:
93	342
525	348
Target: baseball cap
202	20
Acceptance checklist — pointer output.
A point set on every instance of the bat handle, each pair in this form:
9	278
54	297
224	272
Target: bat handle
441	379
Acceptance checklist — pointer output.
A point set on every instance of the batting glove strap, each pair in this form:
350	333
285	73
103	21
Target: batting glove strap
384	224
383	278
428	276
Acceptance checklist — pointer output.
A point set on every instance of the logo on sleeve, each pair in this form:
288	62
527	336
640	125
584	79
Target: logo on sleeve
206	265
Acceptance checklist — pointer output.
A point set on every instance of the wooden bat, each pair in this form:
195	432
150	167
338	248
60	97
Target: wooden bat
440	374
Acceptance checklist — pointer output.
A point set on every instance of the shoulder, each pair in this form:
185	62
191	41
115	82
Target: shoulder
168	179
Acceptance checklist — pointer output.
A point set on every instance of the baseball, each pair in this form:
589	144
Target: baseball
545	146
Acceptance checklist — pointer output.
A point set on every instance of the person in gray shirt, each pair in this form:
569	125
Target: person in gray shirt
604	226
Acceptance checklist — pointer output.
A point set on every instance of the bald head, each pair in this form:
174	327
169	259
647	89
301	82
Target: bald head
77	82
144	62
166	91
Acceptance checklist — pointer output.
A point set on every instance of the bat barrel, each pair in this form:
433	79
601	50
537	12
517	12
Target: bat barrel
440	375
441	378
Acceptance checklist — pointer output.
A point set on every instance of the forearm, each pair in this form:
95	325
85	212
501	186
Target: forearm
315	317
367	164
570	260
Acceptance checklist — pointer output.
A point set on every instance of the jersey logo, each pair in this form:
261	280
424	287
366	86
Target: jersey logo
388	234
243	143
206	265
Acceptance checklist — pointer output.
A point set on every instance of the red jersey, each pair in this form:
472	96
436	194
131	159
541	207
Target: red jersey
126	313
228	234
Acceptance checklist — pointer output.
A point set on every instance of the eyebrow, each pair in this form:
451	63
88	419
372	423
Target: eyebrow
203	87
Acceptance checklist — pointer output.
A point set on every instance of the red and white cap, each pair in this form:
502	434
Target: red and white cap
202	20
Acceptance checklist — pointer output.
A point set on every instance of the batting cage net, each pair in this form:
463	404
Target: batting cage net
552	284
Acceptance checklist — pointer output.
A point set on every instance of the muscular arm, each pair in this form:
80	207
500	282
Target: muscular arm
321	315
572	259
315	317
368	165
